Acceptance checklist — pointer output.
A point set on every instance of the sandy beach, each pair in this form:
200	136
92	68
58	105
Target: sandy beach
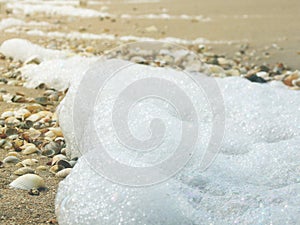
255	36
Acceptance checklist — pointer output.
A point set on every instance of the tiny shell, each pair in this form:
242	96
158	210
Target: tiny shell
42	168
54	169
34	108
7	114
27	182
57	158
57	131
11	159
56	147
24	170
50	134
13	154
63	173
29	162
64	164
30	150
33	133
2	142
49	152
34	117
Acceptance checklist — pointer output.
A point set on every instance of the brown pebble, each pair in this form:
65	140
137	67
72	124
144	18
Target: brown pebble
289	79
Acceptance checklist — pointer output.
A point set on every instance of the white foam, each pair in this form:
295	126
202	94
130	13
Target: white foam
21	49
254	179
50	9
12	22
92	36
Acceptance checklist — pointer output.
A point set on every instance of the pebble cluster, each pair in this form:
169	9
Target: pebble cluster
30	137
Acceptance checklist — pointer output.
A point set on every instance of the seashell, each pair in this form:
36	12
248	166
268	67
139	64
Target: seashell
42	168
34	117
2	142
7	114
72	163
33	133
26	145
18	99
296	82
64	164
23	170
11	131
11	159
57	131
33	60
30	150
50	134
44	114
13	154
28	181
288	80
7	145
13	137
56	147
29	162
54	169
56	158
34	108
12	120
48	152
63	173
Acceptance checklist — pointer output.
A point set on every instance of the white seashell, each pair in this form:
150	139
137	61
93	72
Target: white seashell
27	182
7	114
2	142
44	114
27	145
30	150
50	134
57	131
42	168
63	173
7	145
29	162
12	119
22	114
34	117
13	137
11	159
56	158
24	170
33	133
13	154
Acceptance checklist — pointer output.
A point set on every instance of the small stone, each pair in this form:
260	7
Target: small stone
255	78
34	191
